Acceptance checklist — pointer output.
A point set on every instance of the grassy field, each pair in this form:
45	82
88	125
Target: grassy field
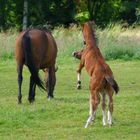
64	117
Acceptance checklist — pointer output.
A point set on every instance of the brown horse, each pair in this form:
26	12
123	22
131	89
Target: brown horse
36	49
101	77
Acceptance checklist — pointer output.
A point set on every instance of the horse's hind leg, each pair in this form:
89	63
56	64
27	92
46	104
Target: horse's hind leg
34	87
53	78
50	83
20	78
31	90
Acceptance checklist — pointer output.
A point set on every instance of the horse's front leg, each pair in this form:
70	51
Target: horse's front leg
50	81
78	80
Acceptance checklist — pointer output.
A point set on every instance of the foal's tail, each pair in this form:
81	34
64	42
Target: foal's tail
26	44
113	83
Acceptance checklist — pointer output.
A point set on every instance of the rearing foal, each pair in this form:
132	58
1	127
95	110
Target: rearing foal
101	77
36	49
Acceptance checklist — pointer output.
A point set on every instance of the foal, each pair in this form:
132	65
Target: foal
101	77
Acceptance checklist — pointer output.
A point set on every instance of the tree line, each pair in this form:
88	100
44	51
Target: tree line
31	13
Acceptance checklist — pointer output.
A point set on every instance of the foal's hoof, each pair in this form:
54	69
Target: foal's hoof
78	86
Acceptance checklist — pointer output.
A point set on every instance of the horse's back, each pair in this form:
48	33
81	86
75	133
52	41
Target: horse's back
52	47
43	47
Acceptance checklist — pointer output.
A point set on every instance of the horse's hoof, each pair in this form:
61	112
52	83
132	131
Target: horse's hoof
31	101
19	102
50	98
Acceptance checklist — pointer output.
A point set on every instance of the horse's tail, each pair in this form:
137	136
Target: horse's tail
113	83
26	45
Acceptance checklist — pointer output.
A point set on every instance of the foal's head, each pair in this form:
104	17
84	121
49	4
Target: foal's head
88	34
78	54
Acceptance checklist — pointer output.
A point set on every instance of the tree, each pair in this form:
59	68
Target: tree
25	15
17	13
2	14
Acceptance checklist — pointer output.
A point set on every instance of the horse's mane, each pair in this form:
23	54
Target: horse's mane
93	33
95	37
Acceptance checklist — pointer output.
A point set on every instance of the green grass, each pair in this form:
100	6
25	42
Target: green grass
7	45
64	117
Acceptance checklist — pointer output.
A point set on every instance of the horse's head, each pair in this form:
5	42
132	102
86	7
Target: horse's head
78	54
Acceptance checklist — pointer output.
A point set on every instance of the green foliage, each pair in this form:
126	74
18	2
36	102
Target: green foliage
118	43
138	15
82	17
68	40
121	52
7	44
53	12
65	12
6	55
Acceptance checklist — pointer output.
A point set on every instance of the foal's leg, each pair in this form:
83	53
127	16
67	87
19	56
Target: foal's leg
31	90
79	74
20	78
110	111
104	108
93	106
78	80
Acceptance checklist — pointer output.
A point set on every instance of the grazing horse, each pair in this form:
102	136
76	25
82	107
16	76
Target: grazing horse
36	49
101	77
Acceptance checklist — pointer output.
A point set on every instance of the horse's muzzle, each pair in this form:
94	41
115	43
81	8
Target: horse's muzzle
74	54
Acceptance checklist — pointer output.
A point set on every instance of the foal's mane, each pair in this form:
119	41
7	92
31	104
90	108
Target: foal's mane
95	39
